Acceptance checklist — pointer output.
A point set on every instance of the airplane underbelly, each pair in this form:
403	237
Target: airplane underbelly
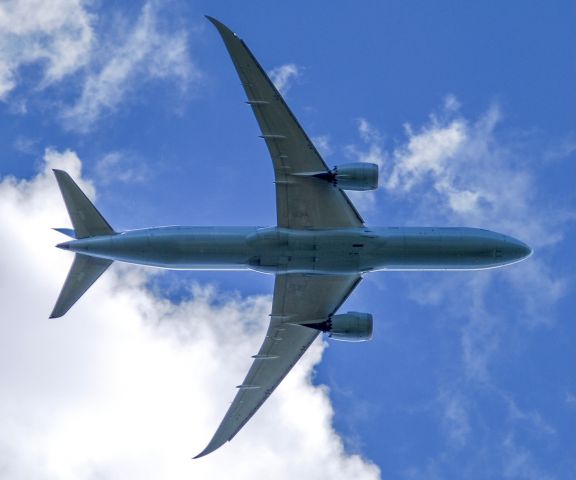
313	262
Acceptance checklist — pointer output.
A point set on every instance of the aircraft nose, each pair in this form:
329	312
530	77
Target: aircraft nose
514	250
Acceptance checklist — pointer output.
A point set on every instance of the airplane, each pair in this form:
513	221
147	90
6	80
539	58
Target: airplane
318	251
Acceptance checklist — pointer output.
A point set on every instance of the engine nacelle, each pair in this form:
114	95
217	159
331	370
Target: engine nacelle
356	176
348	327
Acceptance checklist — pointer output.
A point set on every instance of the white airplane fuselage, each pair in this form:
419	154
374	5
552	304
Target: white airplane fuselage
315	251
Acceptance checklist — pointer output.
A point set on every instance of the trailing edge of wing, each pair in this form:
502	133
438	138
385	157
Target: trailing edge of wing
296	297
262	378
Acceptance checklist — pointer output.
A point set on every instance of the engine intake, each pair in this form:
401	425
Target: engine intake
360	176
347	327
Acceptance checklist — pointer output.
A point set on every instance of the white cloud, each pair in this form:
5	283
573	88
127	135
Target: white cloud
372	139
129	385
570	399
428	153
368	133
540	288
451	103
283	76
457	171
26	145
482	328
145	52
518	462
57	34
121	167
455	418
322	143
480	338
531	418
66	39
370	152
468	174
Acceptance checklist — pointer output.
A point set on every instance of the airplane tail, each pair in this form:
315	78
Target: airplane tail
84	272
87	222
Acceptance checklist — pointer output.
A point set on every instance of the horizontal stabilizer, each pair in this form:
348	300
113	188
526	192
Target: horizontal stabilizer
87	221
84	272
66	231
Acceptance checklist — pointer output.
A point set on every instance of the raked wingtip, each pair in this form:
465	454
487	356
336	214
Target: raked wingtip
203	453
223	29
212	446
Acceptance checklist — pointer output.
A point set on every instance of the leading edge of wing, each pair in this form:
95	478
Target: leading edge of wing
292	153
229	36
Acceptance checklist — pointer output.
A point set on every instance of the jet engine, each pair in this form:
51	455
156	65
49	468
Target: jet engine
347	327
356	176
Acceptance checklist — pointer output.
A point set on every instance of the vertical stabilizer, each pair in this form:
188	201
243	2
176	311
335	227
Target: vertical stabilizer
84	272
87	221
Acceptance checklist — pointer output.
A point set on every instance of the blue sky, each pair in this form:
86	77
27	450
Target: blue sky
468	108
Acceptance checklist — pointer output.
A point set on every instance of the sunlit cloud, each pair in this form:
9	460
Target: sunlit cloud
370	150
103	62
129	384
283	76
143	53
323	144
58	35
123	167
455	417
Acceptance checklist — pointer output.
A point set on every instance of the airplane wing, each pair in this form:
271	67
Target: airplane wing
302	200
297	298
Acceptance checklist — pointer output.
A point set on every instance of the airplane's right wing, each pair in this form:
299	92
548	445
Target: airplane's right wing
302	200
297	298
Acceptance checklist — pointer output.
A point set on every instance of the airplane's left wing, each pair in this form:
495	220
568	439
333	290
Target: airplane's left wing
297	298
